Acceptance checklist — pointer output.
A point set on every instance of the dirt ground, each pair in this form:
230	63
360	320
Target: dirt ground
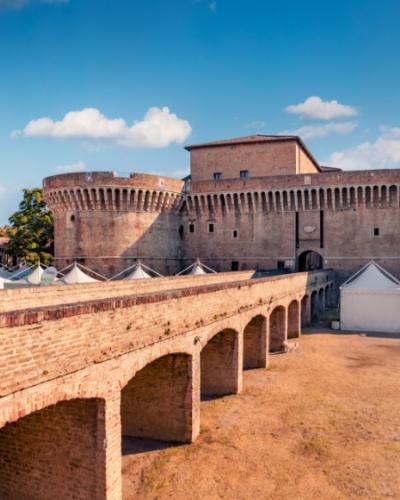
320	423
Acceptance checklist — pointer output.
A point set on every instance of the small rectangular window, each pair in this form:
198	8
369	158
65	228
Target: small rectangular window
281	264
191	228
376	231
244	174
217	176
210	228
235	265
235	234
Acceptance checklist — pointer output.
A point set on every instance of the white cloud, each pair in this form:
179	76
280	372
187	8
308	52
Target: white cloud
318	131
159	128
315	108
2	191
213	6
256	124
382	153
79	166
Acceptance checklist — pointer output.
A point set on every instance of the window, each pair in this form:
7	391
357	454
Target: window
244	174
210	228
217	176
191	228
235	265
281	264
376	231
181	231
235	234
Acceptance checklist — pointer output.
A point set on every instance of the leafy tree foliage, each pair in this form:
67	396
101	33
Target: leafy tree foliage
5	231
32	229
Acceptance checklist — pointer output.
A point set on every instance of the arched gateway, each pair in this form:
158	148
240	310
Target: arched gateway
309	261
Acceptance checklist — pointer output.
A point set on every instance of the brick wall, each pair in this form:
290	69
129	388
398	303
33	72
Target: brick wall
28	298
220	360
157	402
65	368
52	453
260	159
44	343
255	343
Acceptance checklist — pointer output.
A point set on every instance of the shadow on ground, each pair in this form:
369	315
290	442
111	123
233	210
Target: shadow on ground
318	330
134	446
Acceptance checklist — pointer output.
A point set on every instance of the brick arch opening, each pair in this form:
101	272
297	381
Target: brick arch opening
255	343
305	311
293	320
309	261
219	364
157	403
314	306
327	298
321	300
277	329
55	452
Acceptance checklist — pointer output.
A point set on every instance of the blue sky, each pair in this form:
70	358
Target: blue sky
143	78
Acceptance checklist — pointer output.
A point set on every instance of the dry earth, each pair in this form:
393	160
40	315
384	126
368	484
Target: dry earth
321	423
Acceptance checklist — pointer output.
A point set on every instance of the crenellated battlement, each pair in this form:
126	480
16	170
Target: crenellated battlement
107	191
325	191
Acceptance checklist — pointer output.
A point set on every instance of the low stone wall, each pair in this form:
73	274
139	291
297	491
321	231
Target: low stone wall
27	298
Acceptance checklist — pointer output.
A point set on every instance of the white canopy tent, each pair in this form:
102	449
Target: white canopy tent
75	275
136	272
370	301
4	282
196	269
33	276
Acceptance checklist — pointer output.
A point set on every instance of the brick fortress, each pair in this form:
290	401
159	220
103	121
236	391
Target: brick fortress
258	202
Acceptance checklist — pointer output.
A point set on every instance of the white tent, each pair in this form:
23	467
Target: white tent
138	273
370	301
74	276
196	269
34	276
4	282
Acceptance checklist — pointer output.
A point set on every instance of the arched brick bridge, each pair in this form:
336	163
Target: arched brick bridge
85	364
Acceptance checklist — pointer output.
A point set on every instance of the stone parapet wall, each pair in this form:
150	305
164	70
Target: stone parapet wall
32	297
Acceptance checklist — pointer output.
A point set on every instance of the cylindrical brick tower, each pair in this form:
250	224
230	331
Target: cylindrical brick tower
107	222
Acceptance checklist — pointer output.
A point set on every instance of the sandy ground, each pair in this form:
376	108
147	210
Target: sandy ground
322	422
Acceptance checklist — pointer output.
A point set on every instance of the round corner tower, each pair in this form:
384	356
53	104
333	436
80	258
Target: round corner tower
108	222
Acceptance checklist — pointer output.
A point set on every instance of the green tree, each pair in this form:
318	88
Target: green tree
32	229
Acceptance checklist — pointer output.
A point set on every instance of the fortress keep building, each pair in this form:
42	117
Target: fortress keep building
257	202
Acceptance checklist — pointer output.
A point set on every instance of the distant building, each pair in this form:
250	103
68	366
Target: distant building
260	202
